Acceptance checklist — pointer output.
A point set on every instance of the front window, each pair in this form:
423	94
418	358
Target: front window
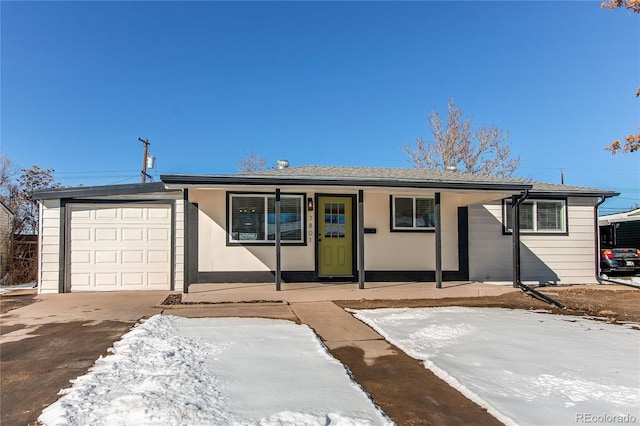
413	213
252	218
538	216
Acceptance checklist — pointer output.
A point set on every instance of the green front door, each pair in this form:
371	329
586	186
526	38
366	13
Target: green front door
335	236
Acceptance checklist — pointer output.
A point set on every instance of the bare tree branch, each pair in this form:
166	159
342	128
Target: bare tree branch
251	163
481	151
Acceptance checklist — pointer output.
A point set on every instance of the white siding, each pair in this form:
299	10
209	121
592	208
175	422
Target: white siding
384	250
215	256
49	253
559	259
408	251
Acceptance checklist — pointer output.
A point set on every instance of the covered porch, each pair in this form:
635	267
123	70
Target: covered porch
319	291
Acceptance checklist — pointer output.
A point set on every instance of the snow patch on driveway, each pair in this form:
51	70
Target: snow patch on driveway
223	371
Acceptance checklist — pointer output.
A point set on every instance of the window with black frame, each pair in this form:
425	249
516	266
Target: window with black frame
537	216
412	214
252	218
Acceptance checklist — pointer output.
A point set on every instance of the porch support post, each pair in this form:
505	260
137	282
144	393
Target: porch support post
438	218
361	238
515	214
278	247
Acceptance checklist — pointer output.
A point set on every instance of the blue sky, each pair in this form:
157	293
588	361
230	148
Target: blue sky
325	83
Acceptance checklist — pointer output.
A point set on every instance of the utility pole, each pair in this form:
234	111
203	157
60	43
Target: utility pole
144	159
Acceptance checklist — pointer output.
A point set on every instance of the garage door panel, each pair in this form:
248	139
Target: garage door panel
106	213
80	234
133	256
133	213
119	247
133	279
157	215
157	279
106	279
157	234
81	213
106	256
81	280
133	234
155	256
106	234
81	256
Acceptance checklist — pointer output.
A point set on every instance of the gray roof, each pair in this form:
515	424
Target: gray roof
425	175
333	176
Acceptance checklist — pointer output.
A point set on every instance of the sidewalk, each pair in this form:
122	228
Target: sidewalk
399	384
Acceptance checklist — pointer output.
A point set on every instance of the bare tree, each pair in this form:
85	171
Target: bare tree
632	141
480	151
631	144
17	195
633	5
252	163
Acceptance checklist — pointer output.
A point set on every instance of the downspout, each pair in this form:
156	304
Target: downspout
438	219
515	209
596	232
516	202
278	245
361	270
186	212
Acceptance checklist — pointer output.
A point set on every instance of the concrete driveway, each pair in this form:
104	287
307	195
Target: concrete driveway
58	338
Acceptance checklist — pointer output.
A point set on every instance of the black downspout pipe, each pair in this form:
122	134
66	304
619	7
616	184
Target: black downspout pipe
361	239
515	210
438	217
596	232
278	245
517	283
186	212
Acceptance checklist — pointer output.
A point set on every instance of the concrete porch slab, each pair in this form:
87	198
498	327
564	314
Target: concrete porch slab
316	291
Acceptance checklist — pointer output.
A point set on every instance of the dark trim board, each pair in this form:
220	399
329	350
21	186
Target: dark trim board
239	277
103	191
253	277
413	276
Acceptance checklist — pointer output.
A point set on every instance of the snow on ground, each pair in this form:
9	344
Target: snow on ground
223	371
526	368
633	280
8	288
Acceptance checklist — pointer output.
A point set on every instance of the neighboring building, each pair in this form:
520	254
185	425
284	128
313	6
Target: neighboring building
336	224
6	220
620	230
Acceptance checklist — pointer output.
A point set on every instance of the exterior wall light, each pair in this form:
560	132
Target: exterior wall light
310	204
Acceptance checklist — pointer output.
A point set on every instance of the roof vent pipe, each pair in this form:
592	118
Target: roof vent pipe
282	164
451	168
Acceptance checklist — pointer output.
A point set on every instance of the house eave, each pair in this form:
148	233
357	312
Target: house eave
588	194
101	191
181	181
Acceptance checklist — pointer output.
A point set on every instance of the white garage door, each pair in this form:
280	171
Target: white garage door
119	247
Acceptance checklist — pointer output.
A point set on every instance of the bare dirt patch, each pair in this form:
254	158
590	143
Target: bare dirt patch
16	299
616	306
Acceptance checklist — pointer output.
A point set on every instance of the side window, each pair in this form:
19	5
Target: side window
537	216
412	214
